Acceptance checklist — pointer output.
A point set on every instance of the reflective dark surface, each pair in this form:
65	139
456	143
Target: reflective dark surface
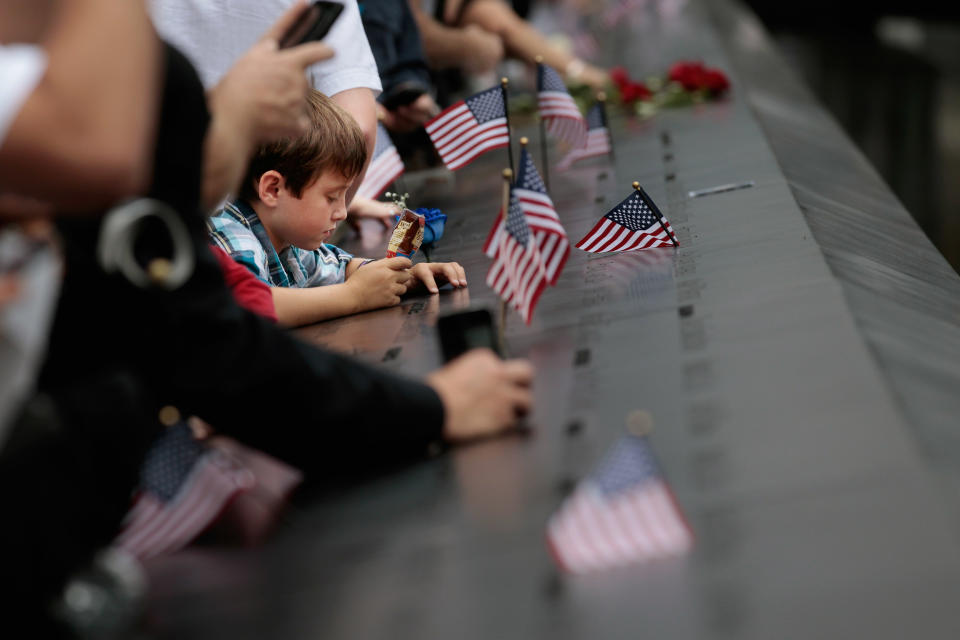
796	353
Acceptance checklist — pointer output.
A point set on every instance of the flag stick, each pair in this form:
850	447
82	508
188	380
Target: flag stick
544	164
504	81
656	210
505	203
602	100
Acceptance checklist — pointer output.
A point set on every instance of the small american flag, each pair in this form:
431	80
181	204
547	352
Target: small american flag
598	139
184	487
470	128
559	112
385	166
549	234
634	224
623	512
517	273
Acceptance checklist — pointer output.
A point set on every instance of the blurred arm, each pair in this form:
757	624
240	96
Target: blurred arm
83	139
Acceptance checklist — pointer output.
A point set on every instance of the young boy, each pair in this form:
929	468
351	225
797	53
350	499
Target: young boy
290	202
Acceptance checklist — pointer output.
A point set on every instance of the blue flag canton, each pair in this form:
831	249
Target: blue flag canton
486	105
383	141
549	80
169	461
529	178
517	222
628	465
633	213
595	117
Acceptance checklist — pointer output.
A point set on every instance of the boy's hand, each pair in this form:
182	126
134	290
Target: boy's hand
482	395
429	273
380	283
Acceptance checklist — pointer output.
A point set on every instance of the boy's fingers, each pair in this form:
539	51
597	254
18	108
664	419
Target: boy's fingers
428	281
284	22
461	274
398	263
450	273
307	53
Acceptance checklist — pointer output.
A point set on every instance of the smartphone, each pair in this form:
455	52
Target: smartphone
460	332
313	23
402	95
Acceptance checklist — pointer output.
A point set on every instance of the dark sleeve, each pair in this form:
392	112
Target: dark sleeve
395	43
306	405
194	348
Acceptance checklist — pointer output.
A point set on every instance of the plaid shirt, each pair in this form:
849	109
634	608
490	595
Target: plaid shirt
237	230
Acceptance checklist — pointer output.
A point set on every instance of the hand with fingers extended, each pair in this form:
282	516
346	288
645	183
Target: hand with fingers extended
430	274
482	395
379	283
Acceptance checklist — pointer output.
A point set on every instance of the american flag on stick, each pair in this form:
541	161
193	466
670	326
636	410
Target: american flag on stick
517	273
184	488
633	225
548	233
558	110
469	128
623	512
385	166
598	139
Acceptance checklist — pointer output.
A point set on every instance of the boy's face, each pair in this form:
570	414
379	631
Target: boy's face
307	222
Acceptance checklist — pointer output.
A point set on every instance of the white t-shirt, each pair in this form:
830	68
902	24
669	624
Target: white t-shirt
21	68
214	33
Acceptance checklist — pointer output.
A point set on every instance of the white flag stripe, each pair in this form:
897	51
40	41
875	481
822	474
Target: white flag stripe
679	533
471	132
458	130
156	527
593	525
597	144
443	123
179	521
579	529
472	152
568	542
596	234
381	172
613	528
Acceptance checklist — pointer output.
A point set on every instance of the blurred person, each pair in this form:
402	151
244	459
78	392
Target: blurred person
406	102
118	352
214	34
460	33
76	128
290	203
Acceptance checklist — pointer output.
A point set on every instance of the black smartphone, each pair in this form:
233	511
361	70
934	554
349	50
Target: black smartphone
402	95
313	23
460	332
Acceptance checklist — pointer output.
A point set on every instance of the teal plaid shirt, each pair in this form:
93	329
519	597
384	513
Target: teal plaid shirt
237	230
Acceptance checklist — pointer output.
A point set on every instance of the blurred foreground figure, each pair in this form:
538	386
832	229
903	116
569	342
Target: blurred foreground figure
123	350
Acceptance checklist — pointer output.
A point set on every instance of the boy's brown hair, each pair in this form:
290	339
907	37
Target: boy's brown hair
333	142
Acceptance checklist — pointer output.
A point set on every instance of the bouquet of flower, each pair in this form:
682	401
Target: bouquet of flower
685	83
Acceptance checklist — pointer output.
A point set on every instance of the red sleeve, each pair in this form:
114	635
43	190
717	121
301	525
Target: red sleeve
248	291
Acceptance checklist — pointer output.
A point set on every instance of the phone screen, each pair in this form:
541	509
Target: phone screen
313	23
460	332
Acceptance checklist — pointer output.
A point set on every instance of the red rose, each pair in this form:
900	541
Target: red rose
633	91
715	81
643	93
619	77
688	74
